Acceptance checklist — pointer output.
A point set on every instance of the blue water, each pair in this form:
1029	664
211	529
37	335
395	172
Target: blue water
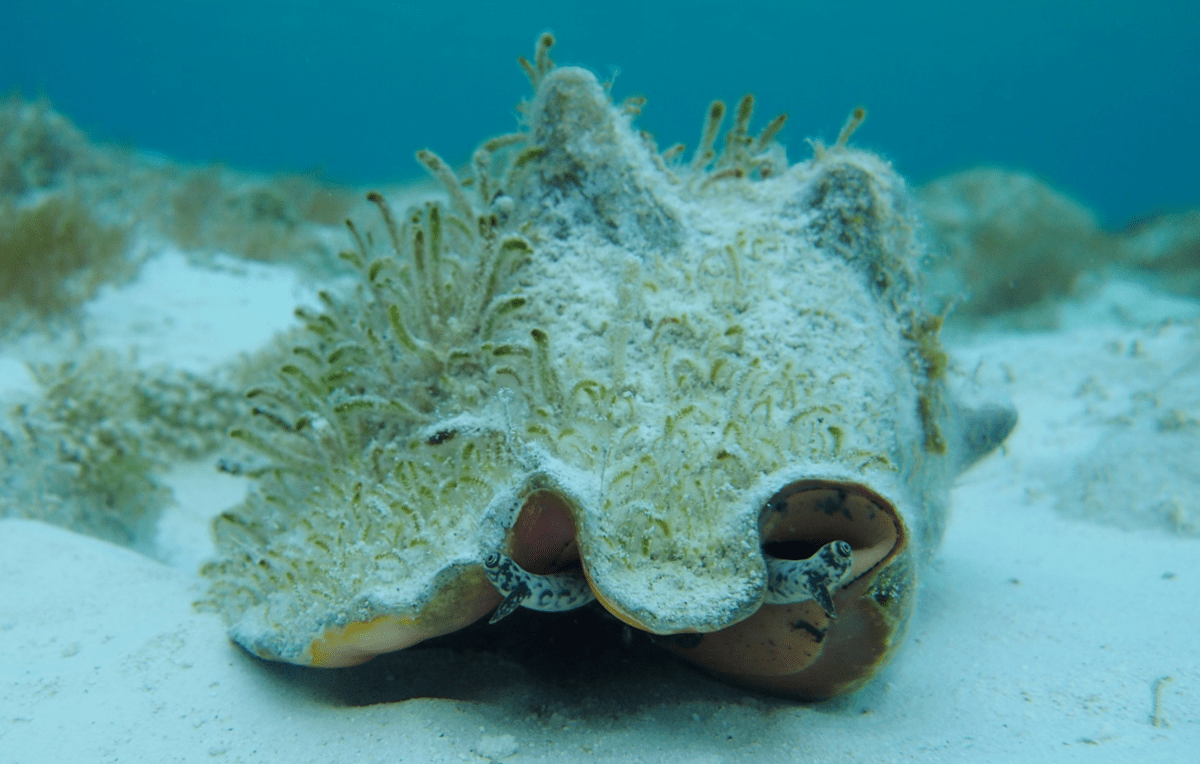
1099	98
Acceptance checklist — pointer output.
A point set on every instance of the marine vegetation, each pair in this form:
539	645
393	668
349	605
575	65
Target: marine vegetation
39	148
1168	247
1010	244
88	452
55	255
702	391
295	219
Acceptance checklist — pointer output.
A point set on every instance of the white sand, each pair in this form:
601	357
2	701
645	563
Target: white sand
1037	637
194	318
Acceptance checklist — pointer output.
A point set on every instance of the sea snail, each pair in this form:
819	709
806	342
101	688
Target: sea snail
705	391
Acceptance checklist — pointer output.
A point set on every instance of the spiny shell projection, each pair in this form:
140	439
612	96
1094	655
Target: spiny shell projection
595	366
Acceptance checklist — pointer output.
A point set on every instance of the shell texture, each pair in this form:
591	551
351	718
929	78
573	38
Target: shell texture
606	362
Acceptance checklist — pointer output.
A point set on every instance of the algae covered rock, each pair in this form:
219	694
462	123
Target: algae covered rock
1010	242
678	384
1167	246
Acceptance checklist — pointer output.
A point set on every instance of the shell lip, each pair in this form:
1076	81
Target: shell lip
463	597
806	514
611	605
798	650
796	521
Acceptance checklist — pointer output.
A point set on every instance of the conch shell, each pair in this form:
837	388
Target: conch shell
705	393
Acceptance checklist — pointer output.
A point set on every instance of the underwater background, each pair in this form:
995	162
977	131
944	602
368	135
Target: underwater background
1098	99
174	184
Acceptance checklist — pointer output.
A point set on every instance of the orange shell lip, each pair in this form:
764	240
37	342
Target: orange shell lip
818	660
542	541
611	606
796	650
360	641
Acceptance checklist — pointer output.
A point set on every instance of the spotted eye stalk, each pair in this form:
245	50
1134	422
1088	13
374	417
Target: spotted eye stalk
816	578
551	593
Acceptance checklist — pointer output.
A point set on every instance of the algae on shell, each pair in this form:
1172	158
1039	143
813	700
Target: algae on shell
668	351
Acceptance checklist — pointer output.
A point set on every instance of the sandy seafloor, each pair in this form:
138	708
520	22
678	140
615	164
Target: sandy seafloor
1039	637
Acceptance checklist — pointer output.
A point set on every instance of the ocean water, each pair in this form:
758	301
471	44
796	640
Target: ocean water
1025	645
1099	98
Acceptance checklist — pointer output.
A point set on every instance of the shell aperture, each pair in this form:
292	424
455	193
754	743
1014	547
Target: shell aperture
815	578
